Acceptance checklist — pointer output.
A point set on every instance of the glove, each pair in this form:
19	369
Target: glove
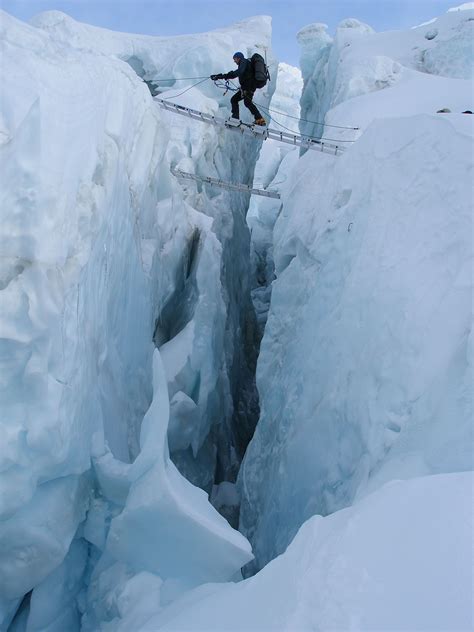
215	77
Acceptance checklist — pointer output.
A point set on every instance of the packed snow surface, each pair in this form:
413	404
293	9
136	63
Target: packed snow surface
375	566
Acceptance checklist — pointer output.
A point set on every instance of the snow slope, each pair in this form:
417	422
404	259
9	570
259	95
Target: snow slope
375	566
365	369
103	256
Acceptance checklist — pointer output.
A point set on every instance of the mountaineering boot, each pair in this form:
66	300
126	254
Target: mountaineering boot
234	122
260	121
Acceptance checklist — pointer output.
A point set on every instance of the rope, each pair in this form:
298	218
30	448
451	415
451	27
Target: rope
307	120
174	96
180	79
234	89
333	140
226	86
292	138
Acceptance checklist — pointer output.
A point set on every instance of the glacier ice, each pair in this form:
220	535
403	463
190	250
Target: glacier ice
167	525
167	528
104	257
128	340
377	565
358	61
366	361
273	167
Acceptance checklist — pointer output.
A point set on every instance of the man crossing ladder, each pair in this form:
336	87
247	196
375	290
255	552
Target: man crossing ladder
248	84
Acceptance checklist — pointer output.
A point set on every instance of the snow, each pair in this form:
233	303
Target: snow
358	61
467	6
104	257
61	335
128	338
365	366
167	527
377	565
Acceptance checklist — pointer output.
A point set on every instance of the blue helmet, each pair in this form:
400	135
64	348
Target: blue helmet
238	54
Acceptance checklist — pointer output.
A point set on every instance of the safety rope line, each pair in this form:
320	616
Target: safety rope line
229	186
297	118
174	96
179	79
230	86
233	88
322	138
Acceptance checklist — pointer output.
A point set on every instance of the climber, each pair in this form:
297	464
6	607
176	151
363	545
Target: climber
245	73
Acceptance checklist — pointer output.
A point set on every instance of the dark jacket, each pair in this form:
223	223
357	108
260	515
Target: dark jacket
244	72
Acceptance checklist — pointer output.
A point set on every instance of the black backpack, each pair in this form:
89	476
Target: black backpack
260	70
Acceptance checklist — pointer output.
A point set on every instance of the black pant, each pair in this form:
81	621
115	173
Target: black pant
247	96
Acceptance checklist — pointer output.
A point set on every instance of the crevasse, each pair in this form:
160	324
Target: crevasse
126	327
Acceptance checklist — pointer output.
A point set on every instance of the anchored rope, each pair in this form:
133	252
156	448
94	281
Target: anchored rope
230	86
180	79
332	140
174	96
297	118
255	131
234	88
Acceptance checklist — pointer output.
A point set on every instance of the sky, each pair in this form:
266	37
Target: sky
177	17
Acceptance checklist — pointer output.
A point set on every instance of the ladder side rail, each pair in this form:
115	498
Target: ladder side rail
181	109
284	137
225	185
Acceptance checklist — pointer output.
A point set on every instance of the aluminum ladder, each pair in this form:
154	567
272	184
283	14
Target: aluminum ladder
255	131
229	186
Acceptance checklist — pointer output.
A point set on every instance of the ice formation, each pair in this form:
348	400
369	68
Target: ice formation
133	306
375	566
105	256
273	167
365	368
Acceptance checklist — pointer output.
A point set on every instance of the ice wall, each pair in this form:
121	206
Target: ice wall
274	164
377	565
315	45
366	361
105	256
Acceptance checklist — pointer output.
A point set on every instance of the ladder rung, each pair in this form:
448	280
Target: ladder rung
249	130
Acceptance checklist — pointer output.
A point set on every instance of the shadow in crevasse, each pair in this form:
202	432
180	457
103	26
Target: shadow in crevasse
179	308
